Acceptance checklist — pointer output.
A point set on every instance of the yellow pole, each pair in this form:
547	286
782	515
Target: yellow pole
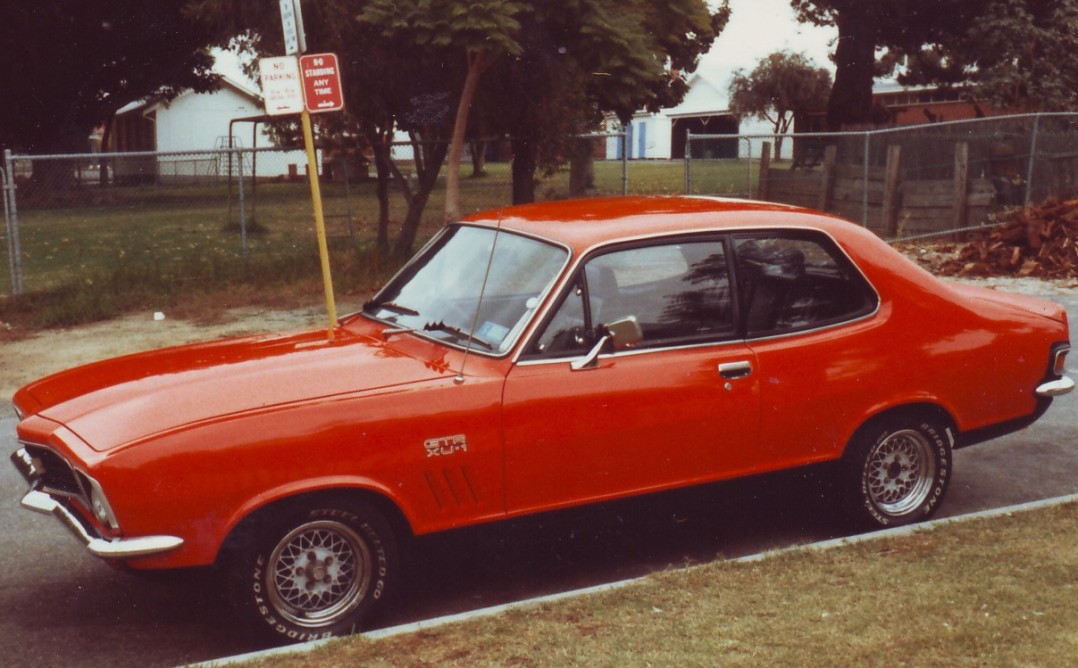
319	222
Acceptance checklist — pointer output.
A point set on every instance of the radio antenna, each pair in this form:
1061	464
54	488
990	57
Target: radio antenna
479	304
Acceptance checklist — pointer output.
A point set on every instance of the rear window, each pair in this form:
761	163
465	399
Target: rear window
796	281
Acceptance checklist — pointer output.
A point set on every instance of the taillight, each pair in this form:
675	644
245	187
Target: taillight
1059	363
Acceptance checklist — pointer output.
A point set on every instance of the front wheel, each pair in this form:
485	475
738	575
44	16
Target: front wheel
315	573
897	471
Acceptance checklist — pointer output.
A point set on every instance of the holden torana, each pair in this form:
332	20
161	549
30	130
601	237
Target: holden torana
530	359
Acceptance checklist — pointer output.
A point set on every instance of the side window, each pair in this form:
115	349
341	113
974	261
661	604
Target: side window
797	282
679	293
566	334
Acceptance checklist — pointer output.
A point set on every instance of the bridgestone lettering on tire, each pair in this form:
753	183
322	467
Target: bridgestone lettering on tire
898	471
316	573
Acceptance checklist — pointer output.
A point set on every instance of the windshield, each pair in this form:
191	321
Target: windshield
438	293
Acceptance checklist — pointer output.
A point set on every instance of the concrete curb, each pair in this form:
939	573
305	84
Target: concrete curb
586	591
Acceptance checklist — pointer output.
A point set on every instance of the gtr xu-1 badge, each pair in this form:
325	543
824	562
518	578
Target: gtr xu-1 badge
446	445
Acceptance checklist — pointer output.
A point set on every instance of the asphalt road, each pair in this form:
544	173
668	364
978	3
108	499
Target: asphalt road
61	607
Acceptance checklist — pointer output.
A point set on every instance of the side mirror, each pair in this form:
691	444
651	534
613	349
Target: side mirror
623	334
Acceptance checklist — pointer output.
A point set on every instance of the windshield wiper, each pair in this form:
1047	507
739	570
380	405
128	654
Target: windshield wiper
440	326
392	306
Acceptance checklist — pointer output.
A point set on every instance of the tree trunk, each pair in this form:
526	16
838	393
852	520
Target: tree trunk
103	165
478	62
428	177
855	67
479	158
383	173
581	168
523	171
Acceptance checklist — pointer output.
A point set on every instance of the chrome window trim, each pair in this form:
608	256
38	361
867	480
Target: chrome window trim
633	353
555	295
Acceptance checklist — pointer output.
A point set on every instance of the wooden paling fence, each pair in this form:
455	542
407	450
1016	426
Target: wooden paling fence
881	198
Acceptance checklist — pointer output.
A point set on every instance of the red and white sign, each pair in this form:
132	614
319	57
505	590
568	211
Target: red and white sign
281	86
321	82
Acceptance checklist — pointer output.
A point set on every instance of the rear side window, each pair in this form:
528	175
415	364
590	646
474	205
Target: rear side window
797	281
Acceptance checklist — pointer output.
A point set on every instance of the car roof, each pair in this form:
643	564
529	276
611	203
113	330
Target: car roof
584	223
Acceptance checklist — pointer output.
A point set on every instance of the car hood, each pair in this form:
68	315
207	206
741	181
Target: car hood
125	399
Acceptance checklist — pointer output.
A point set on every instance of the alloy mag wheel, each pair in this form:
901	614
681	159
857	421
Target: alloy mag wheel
318	573
897	471
900	472
312	573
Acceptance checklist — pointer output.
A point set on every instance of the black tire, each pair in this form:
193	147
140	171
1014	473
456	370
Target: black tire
897	470
314	573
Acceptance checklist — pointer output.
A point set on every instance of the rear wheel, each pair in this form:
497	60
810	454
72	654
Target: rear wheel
897	471
315	573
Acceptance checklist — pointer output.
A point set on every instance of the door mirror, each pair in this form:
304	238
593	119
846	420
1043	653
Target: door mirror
622	334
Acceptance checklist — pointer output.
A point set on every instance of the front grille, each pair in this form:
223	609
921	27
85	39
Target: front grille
56	474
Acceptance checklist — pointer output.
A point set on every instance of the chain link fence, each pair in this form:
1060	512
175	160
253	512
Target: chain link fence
183	215
903	183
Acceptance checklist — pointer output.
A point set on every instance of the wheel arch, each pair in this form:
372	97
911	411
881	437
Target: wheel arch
251	523
911	410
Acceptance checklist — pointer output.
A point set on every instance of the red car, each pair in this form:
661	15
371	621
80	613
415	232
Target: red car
530	359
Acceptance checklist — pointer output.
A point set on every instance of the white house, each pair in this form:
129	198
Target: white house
705	110
195	124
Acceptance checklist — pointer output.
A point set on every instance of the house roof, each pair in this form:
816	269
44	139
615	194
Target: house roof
156	102
705	98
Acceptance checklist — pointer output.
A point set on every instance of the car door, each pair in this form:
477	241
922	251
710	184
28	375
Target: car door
808	319
678	407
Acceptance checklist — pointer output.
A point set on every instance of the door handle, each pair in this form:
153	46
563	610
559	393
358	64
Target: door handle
731	370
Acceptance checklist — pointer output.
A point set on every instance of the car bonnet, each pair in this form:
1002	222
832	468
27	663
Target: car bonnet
126	399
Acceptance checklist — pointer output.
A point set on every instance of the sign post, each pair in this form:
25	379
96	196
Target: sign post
319	221
288	91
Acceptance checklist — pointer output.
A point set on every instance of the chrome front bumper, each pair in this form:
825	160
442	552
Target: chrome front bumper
1055	388
58	506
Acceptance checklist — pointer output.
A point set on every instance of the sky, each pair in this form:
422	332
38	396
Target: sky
758	28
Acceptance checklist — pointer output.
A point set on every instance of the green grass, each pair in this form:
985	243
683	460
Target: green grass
95	252
988	592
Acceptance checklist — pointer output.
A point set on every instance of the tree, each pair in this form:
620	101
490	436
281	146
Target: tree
70	65
483	29
871	28
388	85
582	60
782	86
577	60
1016	54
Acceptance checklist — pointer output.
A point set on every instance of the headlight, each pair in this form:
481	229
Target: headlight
99	504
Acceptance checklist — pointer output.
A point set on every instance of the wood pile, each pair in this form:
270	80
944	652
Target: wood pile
1040	241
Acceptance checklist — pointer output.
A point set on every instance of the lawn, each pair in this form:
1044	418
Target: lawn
97	252
986	592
